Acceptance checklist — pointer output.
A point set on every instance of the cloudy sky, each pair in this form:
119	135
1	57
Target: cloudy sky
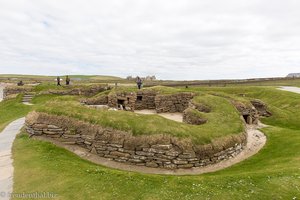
173	39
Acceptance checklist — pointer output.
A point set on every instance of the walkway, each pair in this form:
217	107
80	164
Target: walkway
290	89
7	137
6	168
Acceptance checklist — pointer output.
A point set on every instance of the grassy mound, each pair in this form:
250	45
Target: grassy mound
271	174
223	120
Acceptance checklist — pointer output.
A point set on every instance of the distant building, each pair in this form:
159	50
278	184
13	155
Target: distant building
147	78
293	75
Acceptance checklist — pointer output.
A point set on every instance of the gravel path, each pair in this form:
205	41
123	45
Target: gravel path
290	89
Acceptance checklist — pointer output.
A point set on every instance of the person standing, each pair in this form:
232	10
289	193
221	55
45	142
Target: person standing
58	81
68	80
139	82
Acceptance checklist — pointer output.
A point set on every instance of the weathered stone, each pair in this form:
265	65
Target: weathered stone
52	126
119	154
135	160
143	153
172	153
185	166
151	164
162	146
170	166
180	162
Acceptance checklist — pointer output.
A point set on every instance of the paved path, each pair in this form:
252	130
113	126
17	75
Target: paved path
290	89
7	137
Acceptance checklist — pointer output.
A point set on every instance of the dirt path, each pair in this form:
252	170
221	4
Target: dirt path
172	116
255	141
290	89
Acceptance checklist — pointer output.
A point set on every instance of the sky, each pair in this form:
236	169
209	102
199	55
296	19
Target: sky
172	39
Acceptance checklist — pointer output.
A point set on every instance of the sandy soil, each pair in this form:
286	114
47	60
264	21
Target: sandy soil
172	116
290	89
255	141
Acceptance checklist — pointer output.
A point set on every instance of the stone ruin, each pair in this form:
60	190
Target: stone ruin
146	99
158	151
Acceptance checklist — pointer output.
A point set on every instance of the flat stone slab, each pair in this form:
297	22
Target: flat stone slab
7	137
178	117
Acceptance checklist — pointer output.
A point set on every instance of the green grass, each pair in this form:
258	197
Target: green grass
11	110
223	120
273	173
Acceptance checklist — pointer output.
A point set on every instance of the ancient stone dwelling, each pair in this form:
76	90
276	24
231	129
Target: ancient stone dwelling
149	99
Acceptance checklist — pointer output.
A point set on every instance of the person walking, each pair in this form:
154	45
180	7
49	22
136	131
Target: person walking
139	82
58	81
68	80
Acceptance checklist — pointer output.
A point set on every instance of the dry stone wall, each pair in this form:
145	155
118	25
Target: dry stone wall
150	151
192	116
124	99
101	100
173	103
85	91
14	90
145	100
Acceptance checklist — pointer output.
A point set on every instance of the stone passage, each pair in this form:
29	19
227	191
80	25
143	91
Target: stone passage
150	151
27	98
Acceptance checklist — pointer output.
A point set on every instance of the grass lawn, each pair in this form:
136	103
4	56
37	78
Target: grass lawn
11	110
274	173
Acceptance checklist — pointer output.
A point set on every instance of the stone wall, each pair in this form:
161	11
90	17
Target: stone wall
193	116
145	100
85	91
249	113
173	103
151	151
261	108
125	100
14	90
100	100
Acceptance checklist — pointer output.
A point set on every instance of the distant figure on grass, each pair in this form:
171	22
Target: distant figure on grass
20	83
68	80
139	82
58	81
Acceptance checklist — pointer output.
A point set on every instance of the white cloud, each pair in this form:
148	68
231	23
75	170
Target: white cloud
174	39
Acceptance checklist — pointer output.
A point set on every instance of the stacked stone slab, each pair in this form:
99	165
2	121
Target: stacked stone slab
100	100
249	112
173	102
145	100
128	100
192	116
14	90
261	108
85	91
151	151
